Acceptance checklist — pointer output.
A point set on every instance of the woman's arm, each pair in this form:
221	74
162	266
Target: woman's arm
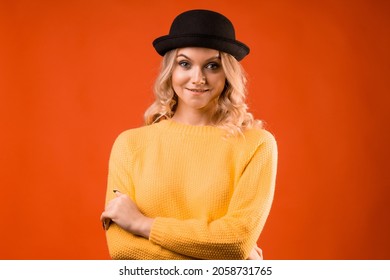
125	213
122	209
234	235
123	244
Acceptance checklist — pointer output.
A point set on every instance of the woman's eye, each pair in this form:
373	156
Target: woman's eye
212	66
184	64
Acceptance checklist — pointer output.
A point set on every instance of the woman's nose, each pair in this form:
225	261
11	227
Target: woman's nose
198	77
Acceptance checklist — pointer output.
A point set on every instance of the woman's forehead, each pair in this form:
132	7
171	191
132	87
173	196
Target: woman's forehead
197	52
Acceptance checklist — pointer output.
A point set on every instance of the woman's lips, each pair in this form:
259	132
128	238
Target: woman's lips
197	90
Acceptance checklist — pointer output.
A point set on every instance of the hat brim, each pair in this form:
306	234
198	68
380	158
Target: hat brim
169	42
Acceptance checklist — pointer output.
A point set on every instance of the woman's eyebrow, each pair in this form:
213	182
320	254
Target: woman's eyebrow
211	58
183	55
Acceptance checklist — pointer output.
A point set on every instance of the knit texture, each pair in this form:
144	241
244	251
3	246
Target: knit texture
210	195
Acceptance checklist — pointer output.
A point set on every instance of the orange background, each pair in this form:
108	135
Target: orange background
74	74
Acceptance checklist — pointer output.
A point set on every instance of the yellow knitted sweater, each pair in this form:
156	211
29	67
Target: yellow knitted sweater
210	196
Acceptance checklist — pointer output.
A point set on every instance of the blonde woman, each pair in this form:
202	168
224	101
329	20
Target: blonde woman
197	181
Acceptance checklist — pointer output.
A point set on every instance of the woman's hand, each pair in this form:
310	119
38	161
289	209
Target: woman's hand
255	254
125	213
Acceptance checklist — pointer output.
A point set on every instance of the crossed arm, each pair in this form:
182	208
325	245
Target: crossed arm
124	212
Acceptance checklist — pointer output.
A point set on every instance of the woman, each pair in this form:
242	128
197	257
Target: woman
196	182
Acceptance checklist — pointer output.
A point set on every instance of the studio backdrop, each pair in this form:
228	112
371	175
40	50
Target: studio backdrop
74	74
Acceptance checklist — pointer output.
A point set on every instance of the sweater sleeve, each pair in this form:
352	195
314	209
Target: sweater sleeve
233	235
122	244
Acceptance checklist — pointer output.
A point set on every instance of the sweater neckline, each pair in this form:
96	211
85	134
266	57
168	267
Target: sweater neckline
177	127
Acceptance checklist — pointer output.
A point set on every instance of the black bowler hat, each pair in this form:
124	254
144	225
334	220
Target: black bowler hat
202	28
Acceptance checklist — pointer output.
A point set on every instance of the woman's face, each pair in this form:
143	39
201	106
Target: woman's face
198	79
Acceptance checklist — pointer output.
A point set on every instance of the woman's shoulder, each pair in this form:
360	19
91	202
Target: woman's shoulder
260	136
134	137
138	131
260	141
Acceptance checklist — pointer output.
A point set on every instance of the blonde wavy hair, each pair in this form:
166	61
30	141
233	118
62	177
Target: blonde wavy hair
231	111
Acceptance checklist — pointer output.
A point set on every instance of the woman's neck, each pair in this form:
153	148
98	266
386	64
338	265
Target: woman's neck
192	117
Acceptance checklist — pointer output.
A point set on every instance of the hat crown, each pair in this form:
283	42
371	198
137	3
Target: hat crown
202	22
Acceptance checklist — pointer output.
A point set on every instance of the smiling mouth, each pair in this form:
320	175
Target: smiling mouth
197	90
